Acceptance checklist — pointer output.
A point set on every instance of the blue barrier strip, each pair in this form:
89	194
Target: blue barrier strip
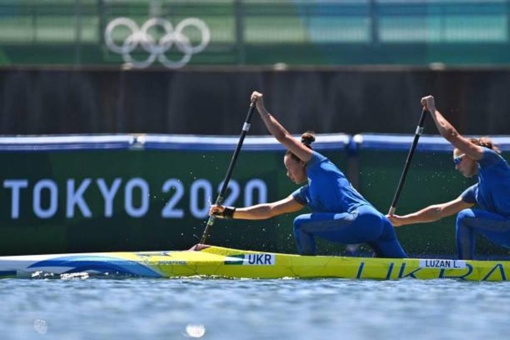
66	143
217	143
403	142
352	144
399	142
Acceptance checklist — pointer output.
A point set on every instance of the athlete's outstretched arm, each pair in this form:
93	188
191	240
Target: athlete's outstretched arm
259	211
449	132
431	213
279	132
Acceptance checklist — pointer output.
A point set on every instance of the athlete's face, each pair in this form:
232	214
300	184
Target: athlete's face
296	169
464	164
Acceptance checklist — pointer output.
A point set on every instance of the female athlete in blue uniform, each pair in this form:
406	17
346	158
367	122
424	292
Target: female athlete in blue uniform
491	193
339	213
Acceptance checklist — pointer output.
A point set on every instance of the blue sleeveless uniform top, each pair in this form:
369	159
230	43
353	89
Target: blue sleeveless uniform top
328	190
492	192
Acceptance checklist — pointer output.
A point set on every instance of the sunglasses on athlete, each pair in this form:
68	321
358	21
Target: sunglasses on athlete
458	159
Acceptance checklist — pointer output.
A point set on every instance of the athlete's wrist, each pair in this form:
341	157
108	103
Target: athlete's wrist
228	212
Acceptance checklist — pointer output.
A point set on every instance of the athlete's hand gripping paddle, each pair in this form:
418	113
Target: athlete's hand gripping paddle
419	130
219	199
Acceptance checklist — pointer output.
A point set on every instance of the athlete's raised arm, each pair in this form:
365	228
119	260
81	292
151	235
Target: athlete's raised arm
279	132
449	132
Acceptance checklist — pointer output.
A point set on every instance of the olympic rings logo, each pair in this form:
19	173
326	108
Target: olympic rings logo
157	47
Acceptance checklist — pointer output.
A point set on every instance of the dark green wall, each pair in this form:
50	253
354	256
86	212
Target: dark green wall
131	226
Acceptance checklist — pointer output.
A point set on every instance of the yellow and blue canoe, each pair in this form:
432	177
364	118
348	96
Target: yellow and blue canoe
219	262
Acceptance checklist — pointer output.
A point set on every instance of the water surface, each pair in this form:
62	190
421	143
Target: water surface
136	308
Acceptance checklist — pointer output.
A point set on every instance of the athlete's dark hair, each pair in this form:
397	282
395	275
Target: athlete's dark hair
307	139
485	142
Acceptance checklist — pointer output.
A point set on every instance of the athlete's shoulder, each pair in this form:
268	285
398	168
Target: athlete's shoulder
318	155
491	157
317	158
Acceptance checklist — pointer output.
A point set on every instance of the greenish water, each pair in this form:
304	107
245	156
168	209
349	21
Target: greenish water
100	308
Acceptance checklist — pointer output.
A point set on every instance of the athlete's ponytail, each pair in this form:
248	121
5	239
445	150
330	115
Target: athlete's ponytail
307	139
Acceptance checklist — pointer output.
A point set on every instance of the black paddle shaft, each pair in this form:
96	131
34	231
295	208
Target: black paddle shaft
219	199
419	130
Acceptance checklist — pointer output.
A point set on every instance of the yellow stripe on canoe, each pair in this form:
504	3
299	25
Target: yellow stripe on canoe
234	263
